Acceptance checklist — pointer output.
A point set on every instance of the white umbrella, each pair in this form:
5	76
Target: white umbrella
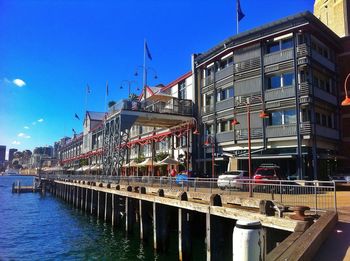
147	162
168	161
86	167
80	169
130	164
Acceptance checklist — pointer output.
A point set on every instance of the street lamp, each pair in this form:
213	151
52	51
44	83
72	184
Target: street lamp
145	73
262	115
129	83
210	141
195	132
346	101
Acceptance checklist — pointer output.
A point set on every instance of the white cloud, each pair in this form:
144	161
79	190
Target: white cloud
23	135
26	127
41	120
19	82
15	142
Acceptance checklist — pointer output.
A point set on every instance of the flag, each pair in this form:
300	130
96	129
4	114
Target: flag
147	51
88	89
240	14
74	131
76	116
107	88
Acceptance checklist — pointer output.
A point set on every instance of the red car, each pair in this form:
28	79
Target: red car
263	174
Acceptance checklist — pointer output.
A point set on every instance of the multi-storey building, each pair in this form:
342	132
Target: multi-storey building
11	156
286	69
2	154
70	153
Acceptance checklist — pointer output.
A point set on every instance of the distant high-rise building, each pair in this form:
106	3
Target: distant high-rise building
335	14
2	153
11	152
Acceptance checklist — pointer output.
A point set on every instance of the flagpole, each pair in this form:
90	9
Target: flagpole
105	107
144	70
86	94
237	17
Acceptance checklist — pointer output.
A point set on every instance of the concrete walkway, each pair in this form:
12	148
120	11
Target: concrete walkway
337	246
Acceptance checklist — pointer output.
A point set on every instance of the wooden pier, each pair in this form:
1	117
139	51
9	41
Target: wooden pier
154	212
18	188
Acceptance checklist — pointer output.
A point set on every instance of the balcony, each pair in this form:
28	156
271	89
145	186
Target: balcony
280	93
207	109
225	136
327	132
278	57
281	131
323	95
255	133
305	89
323	60
225	104
303	50
247	65
222	74
207	80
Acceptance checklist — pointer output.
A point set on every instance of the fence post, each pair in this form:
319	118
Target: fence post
315	189
335	196
281	197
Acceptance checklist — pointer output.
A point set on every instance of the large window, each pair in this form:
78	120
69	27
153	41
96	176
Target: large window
280	80
225	94
279	45
182	90
283	117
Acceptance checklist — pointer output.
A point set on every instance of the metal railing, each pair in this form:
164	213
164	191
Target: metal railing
318	195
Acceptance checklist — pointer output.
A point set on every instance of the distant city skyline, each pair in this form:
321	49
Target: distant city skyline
48	60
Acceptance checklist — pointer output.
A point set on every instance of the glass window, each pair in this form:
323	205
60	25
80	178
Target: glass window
290	117
222	95
209	129
287	43
274	82
230	92
324	120
330	122
182	90
288	79
276	118
318	118
273	47
208	100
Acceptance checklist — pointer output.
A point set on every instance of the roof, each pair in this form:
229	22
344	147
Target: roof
96	116
256	34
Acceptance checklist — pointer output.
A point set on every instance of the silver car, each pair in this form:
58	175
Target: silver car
231	179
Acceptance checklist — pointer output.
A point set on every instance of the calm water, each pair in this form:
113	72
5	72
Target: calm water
37	227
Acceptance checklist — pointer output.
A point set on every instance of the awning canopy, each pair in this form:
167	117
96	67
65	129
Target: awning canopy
80	169
71	169
85	168
167	161
130	164
147	162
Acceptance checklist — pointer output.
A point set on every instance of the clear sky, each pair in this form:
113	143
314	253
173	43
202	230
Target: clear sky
51	49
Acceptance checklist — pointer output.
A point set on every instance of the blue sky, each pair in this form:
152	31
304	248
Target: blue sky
51	49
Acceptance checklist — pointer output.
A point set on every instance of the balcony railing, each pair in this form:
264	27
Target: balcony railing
247	65
225	104
327	132
280	93
281	131
303	50
323	60
172	106
226	72
207	80
255	133
225	136
278	57
207	109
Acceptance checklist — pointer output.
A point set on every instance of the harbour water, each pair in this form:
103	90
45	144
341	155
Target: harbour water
42	227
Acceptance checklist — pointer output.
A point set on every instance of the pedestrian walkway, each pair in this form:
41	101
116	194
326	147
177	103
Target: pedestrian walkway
337	246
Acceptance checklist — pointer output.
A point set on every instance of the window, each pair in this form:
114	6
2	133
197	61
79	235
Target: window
280	45
208	100
330	122
231	92
224	126
283	117
276	118
288	79
318	118
274	82
280	80
290	117
209	129
182	90
286	43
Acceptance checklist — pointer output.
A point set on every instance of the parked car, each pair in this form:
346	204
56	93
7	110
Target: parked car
341	177
267	172
231	179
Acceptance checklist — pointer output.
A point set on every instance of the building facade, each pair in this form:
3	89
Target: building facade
286	69
11	156
2	154
335	14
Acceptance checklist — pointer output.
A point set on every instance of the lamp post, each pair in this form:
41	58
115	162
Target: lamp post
346	101
195	132
210	141
145	74
262	115
129	83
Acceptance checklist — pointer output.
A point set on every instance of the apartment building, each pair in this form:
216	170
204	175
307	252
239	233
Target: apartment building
285	71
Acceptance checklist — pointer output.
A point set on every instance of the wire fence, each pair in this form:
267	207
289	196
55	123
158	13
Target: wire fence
318	195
